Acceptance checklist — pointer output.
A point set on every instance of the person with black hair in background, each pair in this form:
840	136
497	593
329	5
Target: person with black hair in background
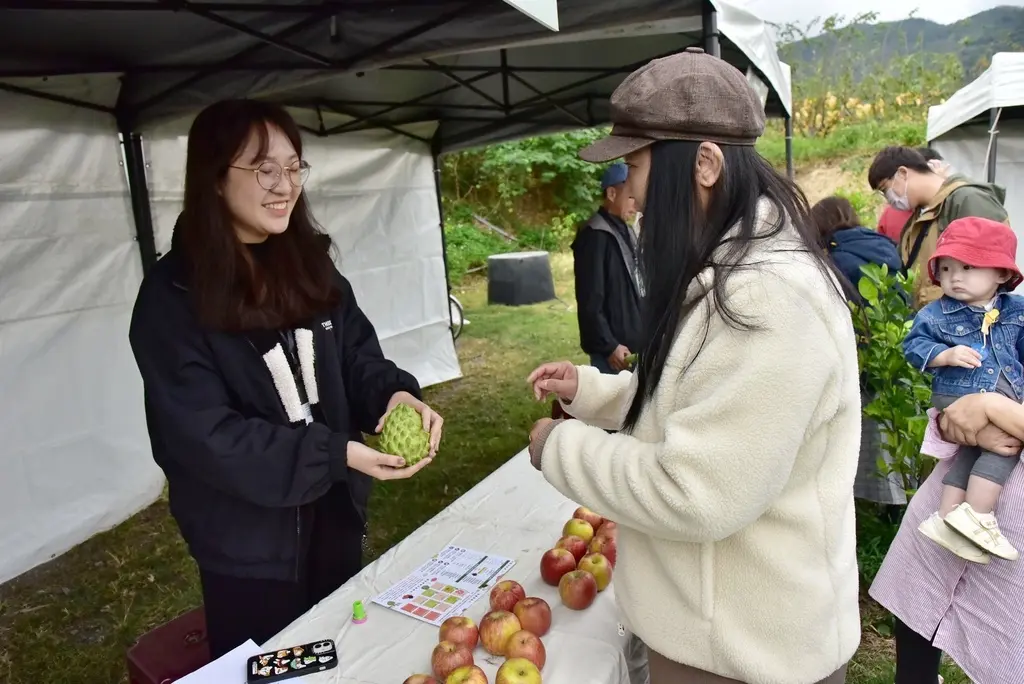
910	182
892	220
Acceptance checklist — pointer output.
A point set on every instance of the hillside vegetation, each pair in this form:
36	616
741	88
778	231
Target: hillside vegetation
852	95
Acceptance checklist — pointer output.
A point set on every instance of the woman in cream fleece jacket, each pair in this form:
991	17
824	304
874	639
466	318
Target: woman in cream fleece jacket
731	472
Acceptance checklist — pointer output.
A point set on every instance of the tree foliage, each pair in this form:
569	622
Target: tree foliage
900	394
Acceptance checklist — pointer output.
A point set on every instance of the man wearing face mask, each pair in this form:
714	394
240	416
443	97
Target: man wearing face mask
892	220
912	183
608	288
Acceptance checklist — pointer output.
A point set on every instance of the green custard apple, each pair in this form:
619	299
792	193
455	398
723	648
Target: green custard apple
403	435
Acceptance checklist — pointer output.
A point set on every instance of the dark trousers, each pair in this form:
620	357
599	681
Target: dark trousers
601	363
917	660
238	609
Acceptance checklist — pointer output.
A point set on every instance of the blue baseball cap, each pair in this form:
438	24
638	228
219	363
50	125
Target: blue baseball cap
614	175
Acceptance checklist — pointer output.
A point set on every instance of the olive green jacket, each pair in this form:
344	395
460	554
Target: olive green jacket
957	198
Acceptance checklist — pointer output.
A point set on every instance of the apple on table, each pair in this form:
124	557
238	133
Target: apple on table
554	564
506	594
448	657
534	615
606	546
578	528
460	629
470	674
524	644
598	566
518	671
574	545
421	679
577	589
584	513
496	628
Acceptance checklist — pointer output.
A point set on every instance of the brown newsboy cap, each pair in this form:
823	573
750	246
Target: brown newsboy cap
687	96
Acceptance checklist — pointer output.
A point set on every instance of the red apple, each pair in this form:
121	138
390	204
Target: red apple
608	529
555	563
460	630
577	589
579	528
495	630
584	513
598	566
606	546
448	657
527	645
534	615
471	674
421	679
574	545
506	594
518	671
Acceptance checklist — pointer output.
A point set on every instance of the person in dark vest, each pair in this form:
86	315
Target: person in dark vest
608	289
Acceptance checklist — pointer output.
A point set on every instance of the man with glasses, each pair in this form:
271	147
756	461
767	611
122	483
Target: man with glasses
910	182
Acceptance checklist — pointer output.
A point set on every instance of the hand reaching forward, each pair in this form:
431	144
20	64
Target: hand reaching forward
381	466
432	422
558	378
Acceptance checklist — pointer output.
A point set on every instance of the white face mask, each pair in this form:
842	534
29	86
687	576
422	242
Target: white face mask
897	201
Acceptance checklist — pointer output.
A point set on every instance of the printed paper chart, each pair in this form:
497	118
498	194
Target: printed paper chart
446	585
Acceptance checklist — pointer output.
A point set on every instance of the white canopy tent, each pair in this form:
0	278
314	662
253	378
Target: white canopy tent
92	141
980	132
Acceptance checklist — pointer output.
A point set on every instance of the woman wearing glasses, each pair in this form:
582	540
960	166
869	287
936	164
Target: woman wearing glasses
261	375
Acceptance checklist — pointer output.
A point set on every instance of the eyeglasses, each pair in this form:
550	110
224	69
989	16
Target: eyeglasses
268	174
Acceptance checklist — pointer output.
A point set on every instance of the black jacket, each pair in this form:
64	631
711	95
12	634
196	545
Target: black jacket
242	476
607	297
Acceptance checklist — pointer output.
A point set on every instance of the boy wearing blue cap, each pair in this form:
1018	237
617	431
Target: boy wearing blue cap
608	288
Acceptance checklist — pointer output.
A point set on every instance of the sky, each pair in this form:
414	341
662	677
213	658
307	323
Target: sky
803	11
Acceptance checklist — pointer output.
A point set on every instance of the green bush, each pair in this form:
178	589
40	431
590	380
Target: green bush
901	394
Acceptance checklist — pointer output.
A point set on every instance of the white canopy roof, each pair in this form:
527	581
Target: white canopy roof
1001	85
483	70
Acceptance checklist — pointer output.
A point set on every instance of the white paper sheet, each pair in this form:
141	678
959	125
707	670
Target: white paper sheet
228	669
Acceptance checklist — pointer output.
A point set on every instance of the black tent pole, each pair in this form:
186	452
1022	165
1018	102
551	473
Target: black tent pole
138	190
709	29
435	152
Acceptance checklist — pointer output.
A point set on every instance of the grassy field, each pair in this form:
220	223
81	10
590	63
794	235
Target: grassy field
72	620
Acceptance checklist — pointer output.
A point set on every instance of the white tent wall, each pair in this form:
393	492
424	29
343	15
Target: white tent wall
75	454
374	193
965	149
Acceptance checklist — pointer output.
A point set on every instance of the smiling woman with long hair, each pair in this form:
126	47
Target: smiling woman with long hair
731	474
261	375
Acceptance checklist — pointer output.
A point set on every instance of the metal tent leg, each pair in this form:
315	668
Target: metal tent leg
789	147
435	151
135	165
709	25
993	142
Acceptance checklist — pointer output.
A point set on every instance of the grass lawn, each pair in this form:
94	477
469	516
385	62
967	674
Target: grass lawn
72	620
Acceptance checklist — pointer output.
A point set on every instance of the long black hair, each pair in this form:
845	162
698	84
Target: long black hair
679	239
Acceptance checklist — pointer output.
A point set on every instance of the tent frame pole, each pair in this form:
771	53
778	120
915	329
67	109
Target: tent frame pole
138	192
993	144
709	28
435	153
789	147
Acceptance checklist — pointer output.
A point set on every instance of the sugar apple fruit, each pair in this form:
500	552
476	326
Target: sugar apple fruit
403	435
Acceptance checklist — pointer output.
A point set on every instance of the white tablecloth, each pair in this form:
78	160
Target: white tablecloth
513	513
